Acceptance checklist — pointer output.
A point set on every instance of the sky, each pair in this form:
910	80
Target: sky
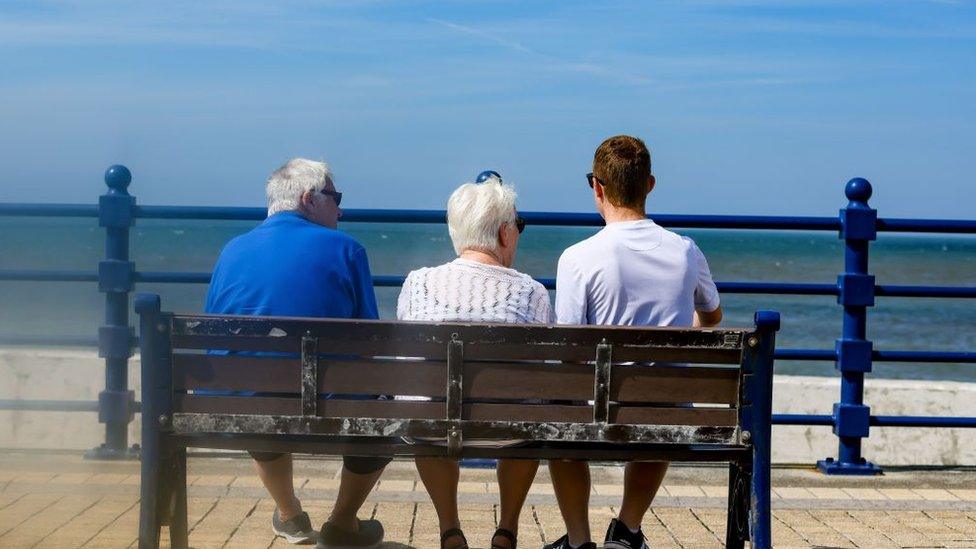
749	107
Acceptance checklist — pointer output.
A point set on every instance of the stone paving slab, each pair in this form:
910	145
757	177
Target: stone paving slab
64	501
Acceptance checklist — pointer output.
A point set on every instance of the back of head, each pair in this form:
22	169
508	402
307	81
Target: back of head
476	211
623	165
287	184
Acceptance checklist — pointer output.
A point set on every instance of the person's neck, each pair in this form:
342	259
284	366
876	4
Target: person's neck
488	258
615	215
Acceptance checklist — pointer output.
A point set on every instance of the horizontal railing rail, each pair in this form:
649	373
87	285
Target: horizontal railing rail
767	288
855	291
686	221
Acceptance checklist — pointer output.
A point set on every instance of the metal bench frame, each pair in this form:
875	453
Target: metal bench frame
175	418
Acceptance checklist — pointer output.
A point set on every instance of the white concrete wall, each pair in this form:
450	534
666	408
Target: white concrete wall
79	375
886	445
55	374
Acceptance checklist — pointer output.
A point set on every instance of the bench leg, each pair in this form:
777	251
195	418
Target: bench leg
149	515
760	518
737	521
177	501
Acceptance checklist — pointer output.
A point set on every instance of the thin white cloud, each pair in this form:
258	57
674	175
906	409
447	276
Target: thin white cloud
510	44
23	33
844	28
548	62
243	24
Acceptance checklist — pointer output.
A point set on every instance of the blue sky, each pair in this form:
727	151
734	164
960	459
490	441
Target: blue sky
755	107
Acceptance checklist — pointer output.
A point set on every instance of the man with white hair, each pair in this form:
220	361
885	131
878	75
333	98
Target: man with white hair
297	264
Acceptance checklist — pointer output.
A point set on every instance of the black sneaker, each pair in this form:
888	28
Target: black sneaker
297	530
620	537
370	534
563	543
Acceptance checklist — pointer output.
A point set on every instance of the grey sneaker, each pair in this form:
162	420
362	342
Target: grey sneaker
297	530
370	534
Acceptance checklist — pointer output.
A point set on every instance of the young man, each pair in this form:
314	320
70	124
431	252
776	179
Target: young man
633	272
296	263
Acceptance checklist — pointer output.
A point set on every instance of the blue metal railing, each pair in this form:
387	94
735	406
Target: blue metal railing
855	289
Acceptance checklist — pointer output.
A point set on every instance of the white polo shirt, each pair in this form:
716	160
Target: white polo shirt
634	273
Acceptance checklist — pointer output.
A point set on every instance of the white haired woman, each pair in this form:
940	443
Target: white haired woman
478	286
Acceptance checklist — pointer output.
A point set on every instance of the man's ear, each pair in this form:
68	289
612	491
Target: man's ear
504	235
305	202
600	191
650	184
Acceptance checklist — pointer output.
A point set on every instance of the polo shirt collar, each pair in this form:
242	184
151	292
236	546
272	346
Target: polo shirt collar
285	216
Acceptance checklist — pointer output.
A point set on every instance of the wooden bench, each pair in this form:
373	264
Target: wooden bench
580	392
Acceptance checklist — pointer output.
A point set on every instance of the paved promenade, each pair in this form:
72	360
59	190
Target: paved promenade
62	501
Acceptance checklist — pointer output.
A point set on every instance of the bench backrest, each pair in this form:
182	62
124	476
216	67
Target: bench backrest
687	386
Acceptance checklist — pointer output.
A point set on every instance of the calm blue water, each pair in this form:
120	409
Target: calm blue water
394	249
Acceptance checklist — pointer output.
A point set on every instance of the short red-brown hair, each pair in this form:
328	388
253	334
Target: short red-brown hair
622	163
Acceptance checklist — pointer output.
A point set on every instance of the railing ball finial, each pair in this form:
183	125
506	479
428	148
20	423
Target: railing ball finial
858	190
118	177
767	320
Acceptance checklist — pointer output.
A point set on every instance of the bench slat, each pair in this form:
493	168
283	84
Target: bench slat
470	333
482	341
472	351
629	383
504	430
674	384
237	405
471	411
236	373
363	446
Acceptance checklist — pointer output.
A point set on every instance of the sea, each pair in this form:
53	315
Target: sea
36	309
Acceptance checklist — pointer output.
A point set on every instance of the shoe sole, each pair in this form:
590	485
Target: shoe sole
321	545
615	545
294	540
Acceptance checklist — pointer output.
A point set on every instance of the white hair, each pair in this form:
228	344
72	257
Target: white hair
287	184
476	211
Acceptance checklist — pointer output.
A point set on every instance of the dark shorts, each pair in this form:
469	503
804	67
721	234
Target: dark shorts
361	465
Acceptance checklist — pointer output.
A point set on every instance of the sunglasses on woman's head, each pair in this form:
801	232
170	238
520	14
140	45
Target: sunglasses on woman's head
520	224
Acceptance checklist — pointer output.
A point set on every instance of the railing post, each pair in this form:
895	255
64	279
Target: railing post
851	417
116	404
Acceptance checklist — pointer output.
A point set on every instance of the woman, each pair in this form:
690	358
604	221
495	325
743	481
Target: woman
478	286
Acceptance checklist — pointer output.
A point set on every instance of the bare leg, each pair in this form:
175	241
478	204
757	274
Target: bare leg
440	478
571	482
641	482
514	480
353	489
276	475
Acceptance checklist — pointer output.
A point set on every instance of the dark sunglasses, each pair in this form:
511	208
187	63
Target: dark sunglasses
336	195
590	178
520	224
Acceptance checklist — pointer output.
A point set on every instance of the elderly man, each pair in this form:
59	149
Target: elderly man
632	273
296	263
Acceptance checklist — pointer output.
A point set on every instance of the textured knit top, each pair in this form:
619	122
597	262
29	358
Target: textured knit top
465	290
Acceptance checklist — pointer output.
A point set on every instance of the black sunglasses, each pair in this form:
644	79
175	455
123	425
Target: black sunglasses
590	178
336	195
520	224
